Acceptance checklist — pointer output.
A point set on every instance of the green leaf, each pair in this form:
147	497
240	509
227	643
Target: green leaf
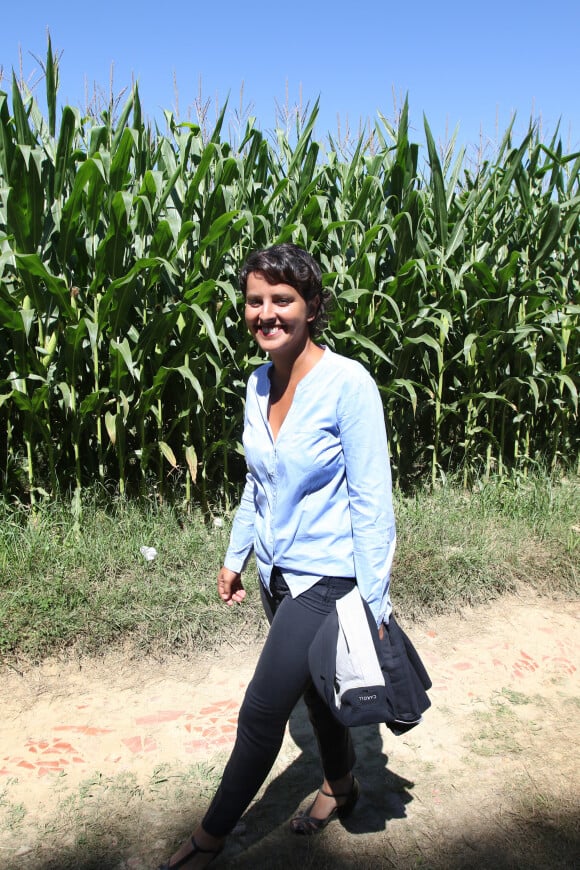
65	149
568	382
438	189
363	341
32	265
209	327
122	153
24	134
124	349
550	233
51	79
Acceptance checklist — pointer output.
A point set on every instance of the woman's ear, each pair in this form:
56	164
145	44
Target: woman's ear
313	306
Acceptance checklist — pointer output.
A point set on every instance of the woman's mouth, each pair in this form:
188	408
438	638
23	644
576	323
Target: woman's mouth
270	330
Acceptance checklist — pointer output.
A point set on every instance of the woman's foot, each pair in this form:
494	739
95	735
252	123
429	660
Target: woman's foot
197	852
333	799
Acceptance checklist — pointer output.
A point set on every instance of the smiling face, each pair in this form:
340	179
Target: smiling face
278	316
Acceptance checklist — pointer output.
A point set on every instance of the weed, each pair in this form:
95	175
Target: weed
514	697
12	814
89	587
495	732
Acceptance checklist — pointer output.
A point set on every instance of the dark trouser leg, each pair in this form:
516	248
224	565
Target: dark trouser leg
281	677
333	739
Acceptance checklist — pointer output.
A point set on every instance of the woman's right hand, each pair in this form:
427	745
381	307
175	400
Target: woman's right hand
230	587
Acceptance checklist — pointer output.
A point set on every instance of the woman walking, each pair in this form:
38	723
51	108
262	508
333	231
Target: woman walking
317	513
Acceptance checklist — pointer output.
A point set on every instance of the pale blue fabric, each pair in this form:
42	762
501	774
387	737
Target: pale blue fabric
317	500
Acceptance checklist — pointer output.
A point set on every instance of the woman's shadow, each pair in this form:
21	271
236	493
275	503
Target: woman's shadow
384	794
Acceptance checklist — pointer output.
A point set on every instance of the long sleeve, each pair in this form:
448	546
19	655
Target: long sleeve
368	475
242	535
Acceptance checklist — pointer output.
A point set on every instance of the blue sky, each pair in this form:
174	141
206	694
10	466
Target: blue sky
470	65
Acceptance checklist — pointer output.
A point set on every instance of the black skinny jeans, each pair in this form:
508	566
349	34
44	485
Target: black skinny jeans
281	677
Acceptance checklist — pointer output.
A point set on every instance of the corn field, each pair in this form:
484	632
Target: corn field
123	352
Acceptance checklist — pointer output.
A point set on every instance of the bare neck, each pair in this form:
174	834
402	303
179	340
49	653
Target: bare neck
289	371
283	383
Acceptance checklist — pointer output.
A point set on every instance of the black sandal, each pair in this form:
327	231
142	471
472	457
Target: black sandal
196	850
307	824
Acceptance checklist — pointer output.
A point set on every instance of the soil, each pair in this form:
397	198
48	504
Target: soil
107	763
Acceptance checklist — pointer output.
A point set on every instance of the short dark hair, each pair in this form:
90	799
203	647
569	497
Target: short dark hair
292	265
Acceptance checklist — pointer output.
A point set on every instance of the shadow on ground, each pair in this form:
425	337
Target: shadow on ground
379	834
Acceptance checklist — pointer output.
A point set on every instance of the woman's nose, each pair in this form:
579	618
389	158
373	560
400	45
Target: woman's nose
267	312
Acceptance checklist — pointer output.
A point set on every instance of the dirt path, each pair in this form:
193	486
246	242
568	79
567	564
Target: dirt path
106	763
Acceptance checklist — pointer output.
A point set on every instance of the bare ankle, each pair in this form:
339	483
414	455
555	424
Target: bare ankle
338	786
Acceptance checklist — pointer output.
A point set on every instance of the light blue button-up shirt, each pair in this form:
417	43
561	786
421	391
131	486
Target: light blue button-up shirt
317	499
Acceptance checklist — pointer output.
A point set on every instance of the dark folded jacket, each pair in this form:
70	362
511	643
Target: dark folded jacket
343	660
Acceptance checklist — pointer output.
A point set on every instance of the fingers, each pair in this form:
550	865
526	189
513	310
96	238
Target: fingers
238	596
230	587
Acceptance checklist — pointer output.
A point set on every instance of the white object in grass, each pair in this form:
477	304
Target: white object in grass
148	553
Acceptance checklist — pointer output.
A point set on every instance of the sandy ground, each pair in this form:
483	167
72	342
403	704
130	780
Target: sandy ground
107	763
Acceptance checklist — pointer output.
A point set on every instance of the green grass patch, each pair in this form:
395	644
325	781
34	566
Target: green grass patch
85	585
465	547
